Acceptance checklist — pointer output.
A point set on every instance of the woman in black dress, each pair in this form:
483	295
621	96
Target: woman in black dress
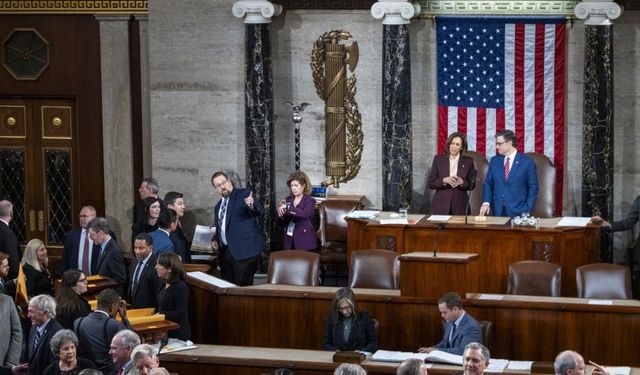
71	305
35	265
174	297
64	345
148	223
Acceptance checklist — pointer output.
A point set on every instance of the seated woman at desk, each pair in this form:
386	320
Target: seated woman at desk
452	175
296	212
348	328
174	296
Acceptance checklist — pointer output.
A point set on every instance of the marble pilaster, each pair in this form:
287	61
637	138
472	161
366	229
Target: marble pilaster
145	95
597	152
116	124
258	111
397	171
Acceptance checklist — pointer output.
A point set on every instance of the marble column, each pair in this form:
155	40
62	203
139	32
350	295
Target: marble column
145	96
397	168
258	112
597	149
116	124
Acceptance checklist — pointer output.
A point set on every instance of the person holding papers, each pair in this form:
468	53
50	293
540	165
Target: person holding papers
452	175
348	328
460	327
296	212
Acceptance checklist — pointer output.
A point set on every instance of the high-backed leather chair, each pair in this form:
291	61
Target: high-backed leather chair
294	267
374	269
546	171
333	235
534	278
487	332
603	280
481	165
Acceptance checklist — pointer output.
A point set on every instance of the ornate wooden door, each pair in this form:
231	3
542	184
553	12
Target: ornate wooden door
37	166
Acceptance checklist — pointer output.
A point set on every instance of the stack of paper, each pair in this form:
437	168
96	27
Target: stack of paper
363	214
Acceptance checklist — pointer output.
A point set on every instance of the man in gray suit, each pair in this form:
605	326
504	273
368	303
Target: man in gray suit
10	332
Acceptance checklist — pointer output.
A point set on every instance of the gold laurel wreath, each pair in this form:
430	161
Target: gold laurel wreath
353	118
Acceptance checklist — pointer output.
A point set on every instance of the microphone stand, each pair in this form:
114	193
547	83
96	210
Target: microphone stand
435	243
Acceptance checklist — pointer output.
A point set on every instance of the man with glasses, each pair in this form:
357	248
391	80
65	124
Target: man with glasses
238	237
511	186
78	245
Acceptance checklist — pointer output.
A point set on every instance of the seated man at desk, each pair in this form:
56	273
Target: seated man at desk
569	362
460	328
475	359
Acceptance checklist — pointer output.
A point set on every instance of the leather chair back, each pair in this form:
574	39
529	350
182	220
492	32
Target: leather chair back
534	278
294	267
374	269
333	227
603	280
482	166
487	332
546	171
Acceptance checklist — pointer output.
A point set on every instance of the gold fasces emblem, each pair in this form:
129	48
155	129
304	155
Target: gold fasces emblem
343	122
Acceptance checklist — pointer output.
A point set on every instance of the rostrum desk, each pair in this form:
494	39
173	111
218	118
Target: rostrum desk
524	327
218	359
496	245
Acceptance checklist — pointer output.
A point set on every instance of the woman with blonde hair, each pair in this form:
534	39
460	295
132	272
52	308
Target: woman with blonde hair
35	265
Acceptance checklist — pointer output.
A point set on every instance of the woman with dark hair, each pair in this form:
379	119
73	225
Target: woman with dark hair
71	304
296	212
452	176
35	265
64	344
149	222
349	328
174	297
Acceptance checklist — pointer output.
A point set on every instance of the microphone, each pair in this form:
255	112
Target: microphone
472	185
435	242
163	343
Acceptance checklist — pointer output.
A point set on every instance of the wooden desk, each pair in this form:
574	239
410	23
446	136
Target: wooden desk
497	245
418	269
524	327
219	359
152	332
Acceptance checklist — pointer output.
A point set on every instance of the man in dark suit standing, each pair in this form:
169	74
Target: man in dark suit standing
460	329
108	262
144	283
78	246
42	311
181	245
238	236
511	186
8	239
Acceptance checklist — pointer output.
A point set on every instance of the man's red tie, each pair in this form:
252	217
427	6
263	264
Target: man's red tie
507	169
120	371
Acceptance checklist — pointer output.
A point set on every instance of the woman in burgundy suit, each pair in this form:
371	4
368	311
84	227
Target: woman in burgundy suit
452	175
296	211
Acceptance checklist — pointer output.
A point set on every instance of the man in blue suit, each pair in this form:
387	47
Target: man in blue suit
238	236
78	246
511	185
460	327
162	236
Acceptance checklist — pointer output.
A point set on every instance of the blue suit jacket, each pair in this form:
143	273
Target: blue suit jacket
181	246
516	195
244	236
161	242
468	331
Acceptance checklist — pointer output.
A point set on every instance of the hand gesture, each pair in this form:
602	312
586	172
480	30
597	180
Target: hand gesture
484	210
597	220
249	200
282	208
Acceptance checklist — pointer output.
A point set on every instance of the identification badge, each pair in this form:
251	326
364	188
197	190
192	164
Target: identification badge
290	228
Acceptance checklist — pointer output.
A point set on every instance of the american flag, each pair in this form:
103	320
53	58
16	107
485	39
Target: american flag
497	73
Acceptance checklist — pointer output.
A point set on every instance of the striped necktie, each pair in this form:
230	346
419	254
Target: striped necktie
223	209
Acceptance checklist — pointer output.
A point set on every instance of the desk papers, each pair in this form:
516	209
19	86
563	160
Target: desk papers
622	370
174	345
497	365
363	214
434	356
570	221
212	280
605	302
439	218
519	365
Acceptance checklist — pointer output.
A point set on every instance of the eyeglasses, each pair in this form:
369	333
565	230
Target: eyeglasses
344	308
500	143
218	186
83	281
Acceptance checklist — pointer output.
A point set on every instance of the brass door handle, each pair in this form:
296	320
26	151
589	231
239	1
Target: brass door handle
32	221
40	221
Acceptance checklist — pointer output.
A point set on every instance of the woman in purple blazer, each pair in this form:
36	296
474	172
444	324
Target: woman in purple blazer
452	175
296	211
